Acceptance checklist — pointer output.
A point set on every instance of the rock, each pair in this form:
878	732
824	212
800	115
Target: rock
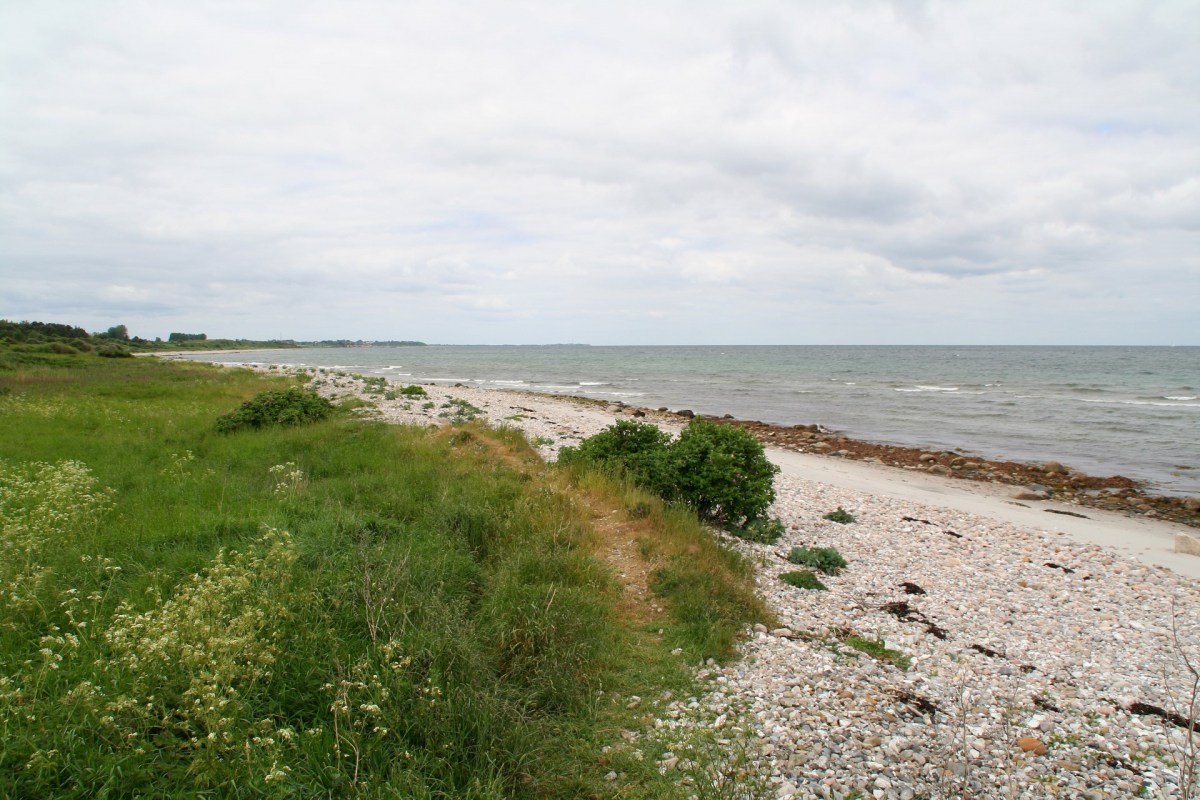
1054	468
688	413
1187	544
783	633
1191	503
786	789
938	469
1026	494
1031	745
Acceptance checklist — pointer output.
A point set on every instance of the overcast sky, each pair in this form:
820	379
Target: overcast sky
1019	171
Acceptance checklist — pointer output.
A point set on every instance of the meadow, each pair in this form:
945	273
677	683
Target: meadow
339	609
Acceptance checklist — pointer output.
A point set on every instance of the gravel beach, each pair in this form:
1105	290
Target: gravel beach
1015	653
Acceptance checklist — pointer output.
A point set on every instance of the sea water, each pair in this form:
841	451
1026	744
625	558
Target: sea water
1132	411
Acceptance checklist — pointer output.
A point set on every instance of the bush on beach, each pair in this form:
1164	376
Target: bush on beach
720	471
293	406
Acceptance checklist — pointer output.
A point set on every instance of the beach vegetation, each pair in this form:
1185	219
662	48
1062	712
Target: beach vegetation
413	391
291	406
760	530
803	579
721	472
637	450
459	411
875	648
824	559
341	608
841	516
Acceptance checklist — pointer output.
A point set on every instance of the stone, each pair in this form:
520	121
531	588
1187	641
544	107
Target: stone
1191	503
1054	468
1025	494
1187	544
1031	745
688	413
938	469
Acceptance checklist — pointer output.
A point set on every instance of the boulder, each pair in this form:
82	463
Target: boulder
1054	468
1026	494
1187	544
688	413
1191	503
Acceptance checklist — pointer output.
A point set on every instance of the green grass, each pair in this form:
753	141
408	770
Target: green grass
803	579
876	649
342	608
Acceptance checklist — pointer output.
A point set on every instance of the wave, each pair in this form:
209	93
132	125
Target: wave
922	388
1181	397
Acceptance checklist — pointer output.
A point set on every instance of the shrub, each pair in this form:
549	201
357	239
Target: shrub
841	516
636	449
763	530
293	406
113	351
825	559
803	579
413	391
62	348
723	472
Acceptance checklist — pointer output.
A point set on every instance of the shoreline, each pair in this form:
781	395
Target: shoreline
1021	650
552	421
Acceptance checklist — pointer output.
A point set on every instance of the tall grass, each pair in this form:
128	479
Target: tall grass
340	609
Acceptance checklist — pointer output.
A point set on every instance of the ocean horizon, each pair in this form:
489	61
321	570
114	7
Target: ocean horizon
1104	409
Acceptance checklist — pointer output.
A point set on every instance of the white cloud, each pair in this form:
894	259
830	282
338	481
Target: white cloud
903	171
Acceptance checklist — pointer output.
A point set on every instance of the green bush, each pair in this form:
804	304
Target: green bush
113	351
825	559
293	406
636	449
723	472
762	530
413	391
803	579
719	470
841	516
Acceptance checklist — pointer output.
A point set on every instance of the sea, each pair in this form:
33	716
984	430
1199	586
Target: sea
1132	411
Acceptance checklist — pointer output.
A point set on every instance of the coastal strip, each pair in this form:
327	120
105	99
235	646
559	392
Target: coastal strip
975	645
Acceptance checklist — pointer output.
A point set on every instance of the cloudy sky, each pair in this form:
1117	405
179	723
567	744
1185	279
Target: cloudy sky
983	172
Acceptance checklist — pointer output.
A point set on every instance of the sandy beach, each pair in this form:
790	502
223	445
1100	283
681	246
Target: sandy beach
1036	654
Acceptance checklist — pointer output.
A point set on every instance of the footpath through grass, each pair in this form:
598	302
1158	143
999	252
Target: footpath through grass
343	609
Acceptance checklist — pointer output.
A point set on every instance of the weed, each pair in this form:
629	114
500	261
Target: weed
414	391
803	579
841	516
763	530
826	559
876	649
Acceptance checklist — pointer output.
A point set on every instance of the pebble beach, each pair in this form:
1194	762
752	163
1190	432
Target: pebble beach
1013	657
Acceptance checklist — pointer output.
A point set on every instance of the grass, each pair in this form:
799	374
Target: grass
803	579
876	649
342	608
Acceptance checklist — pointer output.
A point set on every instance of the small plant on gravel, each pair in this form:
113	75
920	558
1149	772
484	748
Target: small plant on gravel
825	559
459	411
293	406
876	649
377	385
803	579
541	441
414	391
764	530
841	516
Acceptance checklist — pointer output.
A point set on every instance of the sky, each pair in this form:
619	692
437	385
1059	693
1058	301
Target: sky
694	172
